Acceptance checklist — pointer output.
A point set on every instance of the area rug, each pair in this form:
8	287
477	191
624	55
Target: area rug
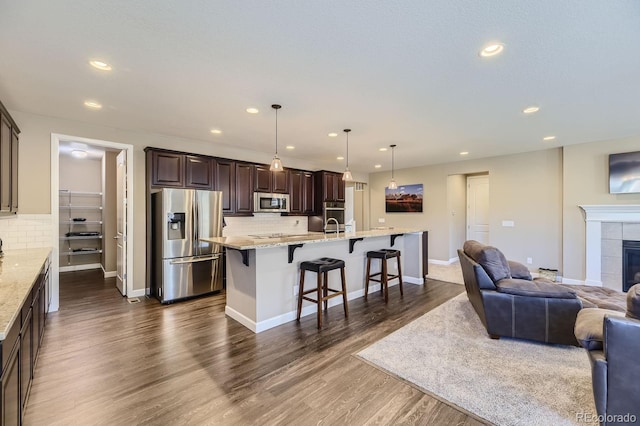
448	354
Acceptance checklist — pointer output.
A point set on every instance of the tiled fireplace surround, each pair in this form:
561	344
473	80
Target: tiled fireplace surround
606	227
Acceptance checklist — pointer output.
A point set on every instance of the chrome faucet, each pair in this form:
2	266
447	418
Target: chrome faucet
326	224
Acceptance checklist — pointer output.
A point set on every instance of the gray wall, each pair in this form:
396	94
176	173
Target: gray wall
525	188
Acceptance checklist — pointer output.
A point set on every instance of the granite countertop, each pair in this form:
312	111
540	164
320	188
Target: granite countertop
246	242
19	270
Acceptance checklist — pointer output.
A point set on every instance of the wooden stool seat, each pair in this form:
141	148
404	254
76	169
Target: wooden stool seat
385	277
322	267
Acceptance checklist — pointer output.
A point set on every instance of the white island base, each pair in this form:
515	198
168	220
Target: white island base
263	294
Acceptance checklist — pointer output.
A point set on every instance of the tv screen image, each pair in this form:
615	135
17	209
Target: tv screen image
624	173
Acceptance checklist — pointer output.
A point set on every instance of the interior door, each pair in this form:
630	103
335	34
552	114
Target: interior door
121	223
478	208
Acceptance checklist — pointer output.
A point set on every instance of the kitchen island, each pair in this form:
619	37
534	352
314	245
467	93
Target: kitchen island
262	270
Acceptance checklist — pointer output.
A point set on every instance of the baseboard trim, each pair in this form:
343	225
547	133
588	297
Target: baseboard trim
412	280
572	281
110	274
242	319
443	262
137	293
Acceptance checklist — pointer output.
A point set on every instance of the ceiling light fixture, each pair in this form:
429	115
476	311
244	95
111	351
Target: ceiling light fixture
392	183
346	176
464	153
290	147
102	66
492	50
252	110
377	166
332	135
78	153
339	158
216	131
548	138
531	109
382	149
92	105
276	164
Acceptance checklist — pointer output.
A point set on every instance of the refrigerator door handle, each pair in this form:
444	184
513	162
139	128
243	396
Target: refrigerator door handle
194	260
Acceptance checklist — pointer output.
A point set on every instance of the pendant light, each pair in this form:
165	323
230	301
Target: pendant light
347	173
392	183
276	164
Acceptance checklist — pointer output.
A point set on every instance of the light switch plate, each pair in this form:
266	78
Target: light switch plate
508	223
381	220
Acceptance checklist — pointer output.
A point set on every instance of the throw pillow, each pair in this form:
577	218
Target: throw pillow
589	330
518	270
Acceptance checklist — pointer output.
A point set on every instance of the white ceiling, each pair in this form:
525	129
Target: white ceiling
403	72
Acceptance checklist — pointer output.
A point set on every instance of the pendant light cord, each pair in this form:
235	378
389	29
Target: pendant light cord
276	131
347	149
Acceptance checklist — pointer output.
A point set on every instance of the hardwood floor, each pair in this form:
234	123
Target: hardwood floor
106	361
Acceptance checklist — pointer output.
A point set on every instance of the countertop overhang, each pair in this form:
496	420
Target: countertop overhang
246	242
19	270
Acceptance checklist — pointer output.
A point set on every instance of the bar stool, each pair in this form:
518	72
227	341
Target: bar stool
385	277
322	267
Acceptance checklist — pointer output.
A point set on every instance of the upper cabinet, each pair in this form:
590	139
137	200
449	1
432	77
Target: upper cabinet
177	170
330	185
244	189
271	182
301	192
235	180
8	163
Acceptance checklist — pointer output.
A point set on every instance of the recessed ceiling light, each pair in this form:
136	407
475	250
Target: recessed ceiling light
102	66
339	158
548	138
290	147
332	135
216	131
382	149
78	153
492	49
464	153
377	166
252	110
92	105
531	109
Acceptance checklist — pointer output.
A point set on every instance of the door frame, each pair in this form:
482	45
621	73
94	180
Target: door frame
56	138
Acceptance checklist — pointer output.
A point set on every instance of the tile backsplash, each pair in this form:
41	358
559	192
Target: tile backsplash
25	231
265	223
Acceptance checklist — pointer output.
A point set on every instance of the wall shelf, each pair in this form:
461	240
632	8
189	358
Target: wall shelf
80	250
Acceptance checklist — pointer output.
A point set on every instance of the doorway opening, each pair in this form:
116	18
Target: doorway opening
92	210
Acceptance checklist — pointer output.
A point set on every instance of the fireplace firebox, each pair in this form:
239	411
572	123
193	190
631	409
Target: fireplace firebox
630	264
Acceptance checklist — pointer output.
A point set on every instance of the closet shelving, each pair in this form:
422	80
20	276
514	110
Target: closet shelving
80	229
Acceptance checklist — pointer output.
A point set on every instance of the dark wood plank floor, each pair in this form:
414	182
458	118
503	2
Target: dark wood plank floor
106	361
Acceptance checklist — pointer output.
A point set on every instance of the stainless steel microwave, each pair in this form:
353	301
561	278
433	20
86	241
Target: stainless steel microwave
270	203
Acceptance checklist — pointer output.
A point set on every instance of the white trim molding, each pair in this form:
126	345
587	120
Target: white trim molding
594	216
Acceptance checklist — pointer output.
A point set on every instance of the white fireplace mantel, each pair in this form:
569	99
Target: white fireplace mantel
594	216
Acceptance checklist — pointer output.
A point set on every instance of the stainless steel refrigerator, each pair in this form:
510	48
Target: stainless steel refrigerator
183	265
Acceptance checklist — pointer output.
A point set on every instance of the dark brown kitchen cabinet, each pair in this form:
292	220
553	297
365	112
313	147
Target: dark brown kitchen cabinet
244	189
19	350
301	192
330	185
226	182
167	169
14	170
271	182
199	172
5	164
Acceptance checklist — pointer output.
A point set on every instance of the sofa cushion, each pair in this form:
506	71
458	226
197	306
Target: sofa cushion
518	270
633	302
490	258
599	297
535	288
589	329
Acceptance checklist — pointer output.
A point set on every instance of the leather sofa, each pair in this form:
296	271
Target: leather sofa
512	304
613	343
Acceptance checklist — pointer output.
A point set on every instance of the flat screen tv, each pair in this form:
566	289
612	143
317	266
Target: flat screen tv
624	173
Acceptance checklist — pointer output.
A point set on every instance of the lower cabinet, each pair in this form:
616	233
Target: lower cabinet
19	351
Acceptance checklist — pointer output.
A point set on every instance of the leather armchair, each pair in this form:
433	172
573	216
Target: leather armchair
614	345
512	304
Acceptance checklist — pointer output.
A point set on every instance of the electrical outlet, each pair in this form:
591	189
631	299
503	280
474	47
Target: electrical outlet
529	260
381	220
